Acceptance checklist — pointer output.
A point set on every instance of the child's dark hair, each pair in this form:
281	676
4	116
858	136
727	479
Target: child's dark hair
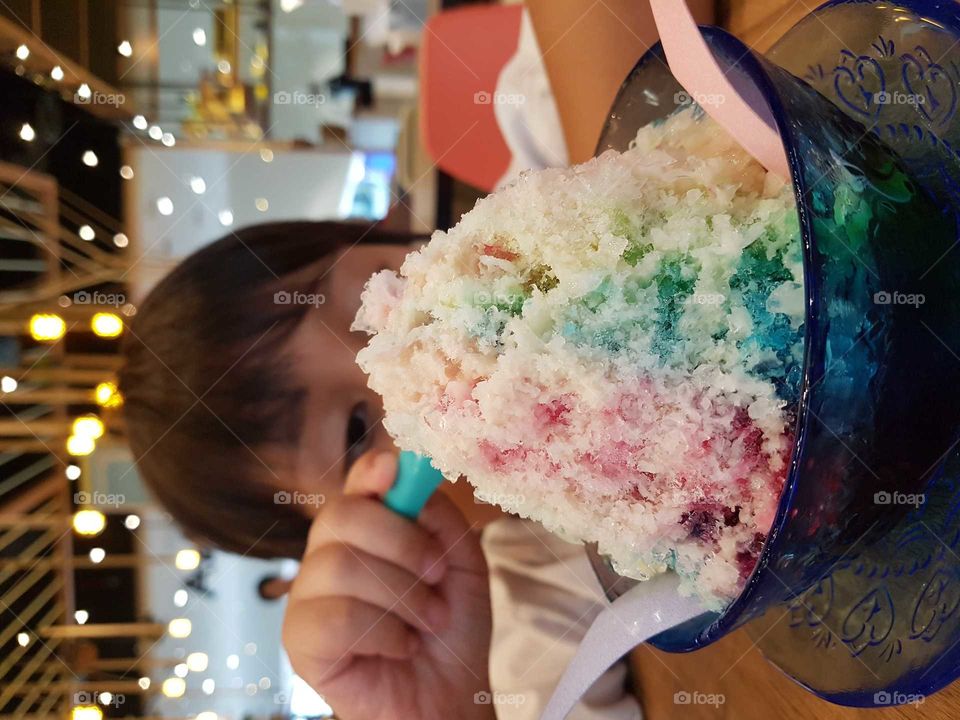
207	387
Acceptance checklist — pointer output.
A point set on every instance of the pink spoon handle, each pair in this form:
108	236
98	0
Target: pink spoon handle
695	68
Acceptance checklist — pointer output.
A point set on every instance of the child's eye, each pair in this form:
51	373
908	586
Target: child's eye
358	435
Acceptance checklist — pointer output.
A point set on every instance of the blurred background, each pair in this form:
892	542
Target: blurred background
133	132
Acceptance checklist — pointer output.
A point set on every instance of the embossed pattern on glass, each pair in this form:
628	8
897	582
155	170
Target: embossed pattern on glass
857	593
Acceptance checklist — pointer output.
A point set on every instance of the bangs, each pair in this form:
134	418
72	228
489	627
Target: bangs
208	384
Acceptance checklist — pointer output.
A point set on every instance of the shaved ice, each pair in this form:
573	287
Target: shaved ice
613	349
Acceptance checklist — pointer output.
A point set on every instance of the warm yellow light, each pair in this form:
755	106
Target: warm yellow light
187	560
86	712
197	662
88	426
173	687
89	522
108	395
105	392
179	628
106	325
79	445
47	326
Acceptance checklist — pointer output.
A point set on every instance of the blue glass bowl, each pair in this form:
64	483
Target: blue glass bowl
856	594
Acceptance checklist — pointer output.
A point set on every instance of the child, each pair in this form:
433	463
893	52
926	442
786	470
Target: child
253	425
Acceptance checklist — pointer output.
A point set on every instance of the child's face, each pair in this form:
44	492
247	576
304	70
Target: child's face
342	415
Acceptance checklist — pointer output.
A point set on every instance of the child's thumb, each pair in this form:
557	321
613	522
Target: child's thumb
372	474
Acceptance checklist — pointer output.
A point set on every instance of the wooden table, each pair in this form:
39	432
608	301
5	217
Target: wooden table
734	667
752	688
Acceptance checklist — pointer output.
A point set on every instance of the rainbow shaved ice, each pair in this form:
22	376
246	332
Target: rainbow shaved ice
613	349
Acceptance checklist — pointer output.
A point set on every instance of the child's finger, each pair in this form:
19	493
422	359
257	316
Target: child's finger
372	474
368	525
444	521
335	628
338	569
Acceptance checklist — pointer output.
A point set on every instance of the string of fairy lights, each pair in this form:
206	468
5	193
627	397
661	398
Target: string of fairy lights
90	523
87	522
87	429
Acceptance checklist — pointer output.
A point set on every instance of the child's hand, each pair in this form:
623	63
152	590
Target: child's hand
388	618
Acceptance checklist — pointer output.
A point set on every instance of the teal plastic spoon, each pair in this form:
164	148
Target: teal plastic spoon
416	481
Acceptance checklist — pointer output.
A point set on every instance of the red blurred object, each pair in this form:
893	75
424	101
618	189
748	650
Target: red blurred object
462	54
